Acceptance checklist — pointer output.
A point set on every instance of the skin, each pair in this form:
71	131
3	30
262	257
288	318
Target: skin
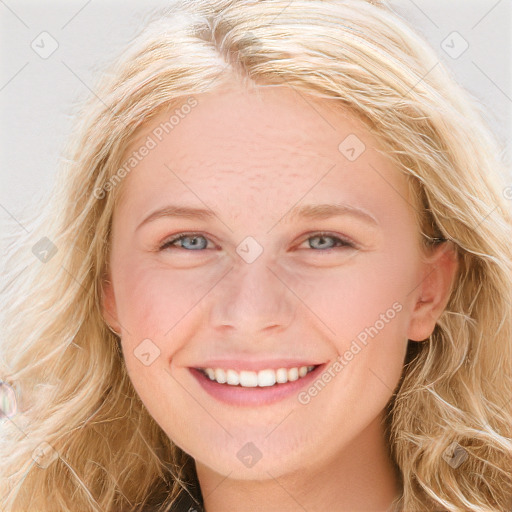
250	157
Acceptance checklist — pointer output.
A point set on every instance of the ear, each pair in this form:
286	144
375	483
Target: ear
438	275
108	304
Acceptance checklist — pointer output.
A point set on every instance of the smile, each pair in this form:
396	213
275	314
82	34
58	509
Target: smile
252	379
256	387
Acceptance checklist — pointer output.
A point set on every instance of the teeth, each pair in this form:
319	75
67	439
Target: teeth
233	378
248	379
263	378
282	375
266	378
293	374
220	375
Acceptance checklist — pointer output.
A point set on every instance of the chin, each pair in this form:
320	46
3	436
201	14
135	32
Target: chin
258	459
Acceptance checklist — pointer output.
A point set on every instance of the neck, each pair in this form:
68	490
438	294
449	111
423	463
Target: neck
360	477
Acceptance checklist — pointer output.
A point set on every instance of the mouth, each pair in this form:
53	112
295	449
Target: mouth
249	388
252	379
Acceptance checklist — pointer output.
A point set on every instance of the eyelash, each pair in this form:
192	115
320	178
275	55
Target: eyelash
345	242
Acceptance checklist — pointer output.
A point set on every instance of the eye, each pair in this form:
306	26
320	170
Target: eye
198	242
320	241
191	241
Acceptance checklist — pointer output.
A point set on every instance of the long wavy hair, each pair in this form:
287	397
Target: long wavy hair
75	403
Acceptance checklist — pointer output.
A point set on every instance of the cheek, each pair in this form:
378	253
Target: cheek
364	321
349	299
363	309
160	310
367	329
152	299
153	304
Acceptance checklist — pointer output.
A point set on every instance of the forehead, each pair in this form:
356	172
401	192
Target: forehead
264	147
269	121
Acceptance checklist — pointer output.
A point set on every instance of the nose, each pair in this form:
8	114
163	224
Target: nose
253	299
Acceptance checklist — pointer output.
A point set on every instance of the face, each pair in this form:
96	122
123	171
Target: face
268	282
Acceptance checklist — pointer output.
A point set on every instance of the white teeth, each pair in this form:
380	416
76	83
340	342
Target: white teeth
248	379
220	375
282	375
266	378
293	374
232	377
263	378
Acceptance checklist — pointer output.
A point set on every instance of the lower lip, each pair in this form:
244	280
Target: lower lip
238	395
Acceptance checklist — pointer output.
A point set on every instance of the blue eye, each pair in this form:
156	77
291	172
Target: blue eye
197	242
322	237
194	246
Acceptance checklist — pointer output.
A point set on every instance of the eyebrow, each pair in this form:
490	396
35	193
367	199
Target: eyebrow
325	211
310	211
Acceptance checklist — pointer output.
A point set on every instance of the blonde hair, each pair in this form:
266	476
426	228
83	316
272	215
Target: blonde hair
66	366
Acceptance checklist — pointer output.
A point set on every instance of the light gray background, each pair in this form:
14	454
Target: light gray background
36	94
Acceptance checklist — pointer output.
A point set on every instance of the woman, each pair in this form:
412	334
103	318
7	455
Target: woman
190	342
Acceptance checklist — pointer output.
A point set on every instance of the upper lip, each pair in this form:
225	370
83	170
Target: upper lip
256	365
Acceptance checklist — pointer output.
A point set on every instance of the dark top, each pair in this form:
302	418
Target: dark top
186	504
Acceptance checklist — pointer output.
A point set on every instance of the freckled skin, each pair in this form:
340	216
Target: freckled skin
251	157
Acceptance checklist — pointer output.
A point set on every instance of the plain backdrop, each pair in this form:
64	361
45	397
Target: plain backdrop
37	91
